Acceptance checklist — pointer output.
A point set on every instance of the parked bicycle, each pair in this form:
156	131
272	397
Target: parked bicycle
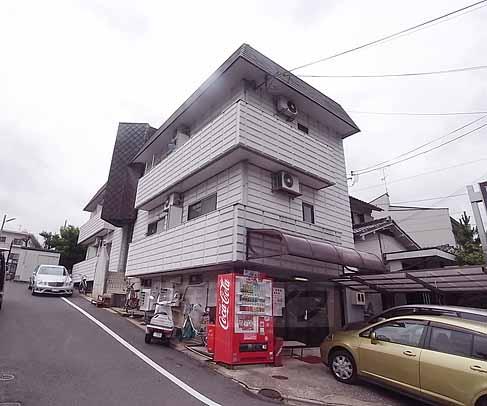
196	324
131	299
83	286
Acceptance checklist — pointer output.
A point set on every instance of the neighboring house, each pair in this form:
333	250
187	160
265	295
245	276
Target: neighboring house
428	226
400	252
248	174
112	214
12	241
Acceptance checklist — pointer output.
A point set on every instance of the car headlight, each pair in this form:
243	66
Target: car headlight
69	282
41	283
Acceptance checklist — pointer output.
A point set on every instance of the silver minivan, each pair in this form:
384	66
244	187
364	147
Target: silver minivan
51	279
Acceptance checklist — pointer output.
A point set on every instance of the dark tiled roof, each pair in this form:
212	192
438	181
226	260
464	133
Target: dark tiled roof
121	187
360	204
268	66
383	224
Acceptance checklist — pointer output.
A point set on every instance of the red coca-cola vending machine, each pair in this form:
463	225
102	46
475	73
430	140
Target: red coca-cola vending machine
244	327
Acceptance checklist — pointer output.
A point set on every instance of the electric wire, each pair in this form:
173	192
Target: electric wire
388	163
421	174
392	36
391	113
397	75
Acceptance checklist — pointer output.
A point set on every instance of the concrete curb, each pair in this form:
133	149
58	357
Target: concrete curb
217	368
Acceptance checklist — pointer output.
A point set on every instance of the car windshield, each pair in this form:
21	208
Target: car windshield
52	270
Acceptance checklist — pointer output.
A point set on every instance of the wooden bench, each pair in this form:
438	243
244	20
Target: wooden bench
294	345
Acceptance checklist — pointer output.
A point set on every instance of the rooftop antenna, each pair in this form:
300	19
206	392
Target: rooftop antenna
384	179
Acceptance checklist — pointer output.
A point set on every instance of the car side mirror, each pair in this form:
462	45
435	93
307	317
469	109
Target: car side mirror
373	338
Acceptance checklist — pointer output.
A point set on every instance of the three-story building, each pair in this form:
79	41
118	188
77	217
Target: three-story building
248	174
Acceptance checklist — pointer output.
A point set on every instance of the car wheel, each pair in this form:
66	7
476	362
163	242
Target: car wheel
482	401
148	338
343	367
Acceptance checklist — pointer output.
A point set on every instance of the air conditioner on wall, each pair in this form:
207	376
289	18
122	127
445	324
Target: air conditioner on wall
358	299
146	303
286	107
174	199
285	182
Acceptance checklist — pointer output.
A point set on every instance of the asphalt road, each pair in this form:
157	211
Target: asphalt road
58	356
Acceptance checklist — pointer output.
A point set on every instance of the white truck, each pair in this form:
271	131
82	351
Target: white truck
29	258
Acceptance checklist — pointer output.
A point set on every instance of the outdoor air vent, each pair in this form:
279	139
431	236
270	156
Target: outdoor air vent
358	299
287	108
285	182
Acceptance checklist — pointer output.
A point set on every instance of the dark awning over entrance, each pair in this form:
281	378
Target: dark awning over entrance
440	280
266	243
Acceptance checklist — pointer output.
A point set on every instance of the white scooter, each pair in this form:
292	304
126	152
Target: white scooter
161	325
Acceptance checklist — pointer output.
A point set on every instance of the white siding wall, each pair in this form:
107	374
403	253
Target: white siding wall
114	265
319	152
429	228
202	241
390	244
93	226
204	146
227	185
370	244
86	268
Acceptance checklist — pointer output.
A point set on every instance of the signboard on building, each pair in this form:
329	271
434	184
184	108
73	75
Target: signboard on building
278	301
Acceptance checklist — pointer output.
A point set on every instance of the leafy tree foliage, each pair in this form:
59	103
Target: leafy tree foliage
66	242
469	250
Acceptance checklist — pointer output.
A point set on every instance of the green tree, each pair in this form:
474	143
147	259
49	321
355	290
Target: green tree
65	242
469	250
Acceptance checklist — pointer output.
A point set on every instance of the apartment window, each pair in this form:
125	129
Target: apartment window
308	213
157	226
303	128
18	241
204	206
3	239
152	228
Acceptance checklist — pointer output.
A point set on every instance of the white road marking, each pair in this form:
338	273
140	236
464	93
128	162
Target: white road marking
202	398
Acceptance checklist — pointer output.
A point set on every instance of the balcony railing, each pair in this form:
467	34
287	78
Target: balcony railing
215	238
93	227
86	268
208	144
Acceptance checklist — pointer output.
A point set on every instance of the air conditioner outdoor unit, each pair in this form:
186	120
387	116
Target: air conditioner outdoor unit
358	299
174	199
181	137
146	303
285	182
287	108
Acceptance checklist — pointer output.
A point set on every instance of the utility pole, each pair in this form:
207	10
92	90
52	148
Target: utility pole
5	220
476	198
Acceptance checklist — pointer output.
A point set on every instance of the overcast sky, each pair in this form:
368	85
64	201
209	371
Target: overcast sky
71	70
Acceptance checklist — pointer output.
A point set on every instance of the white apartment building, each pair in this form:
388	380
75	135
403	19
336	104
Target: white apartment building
12	241
428	226
248	174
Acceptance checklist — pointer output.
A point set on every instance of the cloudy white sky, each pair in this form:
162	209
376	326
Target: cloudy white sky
72	69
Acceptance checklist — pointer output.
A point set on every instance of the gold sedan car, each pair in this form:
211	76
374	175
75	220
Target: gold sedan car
440	360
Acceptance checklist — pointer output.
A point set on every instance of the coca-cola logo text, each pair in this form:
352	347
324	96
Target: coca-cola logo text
223	312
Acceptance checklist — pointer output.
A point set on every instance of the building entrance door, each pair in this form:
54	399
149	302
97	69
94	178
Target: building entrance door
305	317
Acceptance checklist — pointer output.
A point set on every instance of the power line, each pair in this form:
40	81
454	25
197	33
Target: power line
431	198
422	174
388	163
383	113
396	75
390	36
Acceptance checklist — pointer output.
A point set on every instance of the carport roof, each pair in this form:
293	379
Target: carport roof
439	280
